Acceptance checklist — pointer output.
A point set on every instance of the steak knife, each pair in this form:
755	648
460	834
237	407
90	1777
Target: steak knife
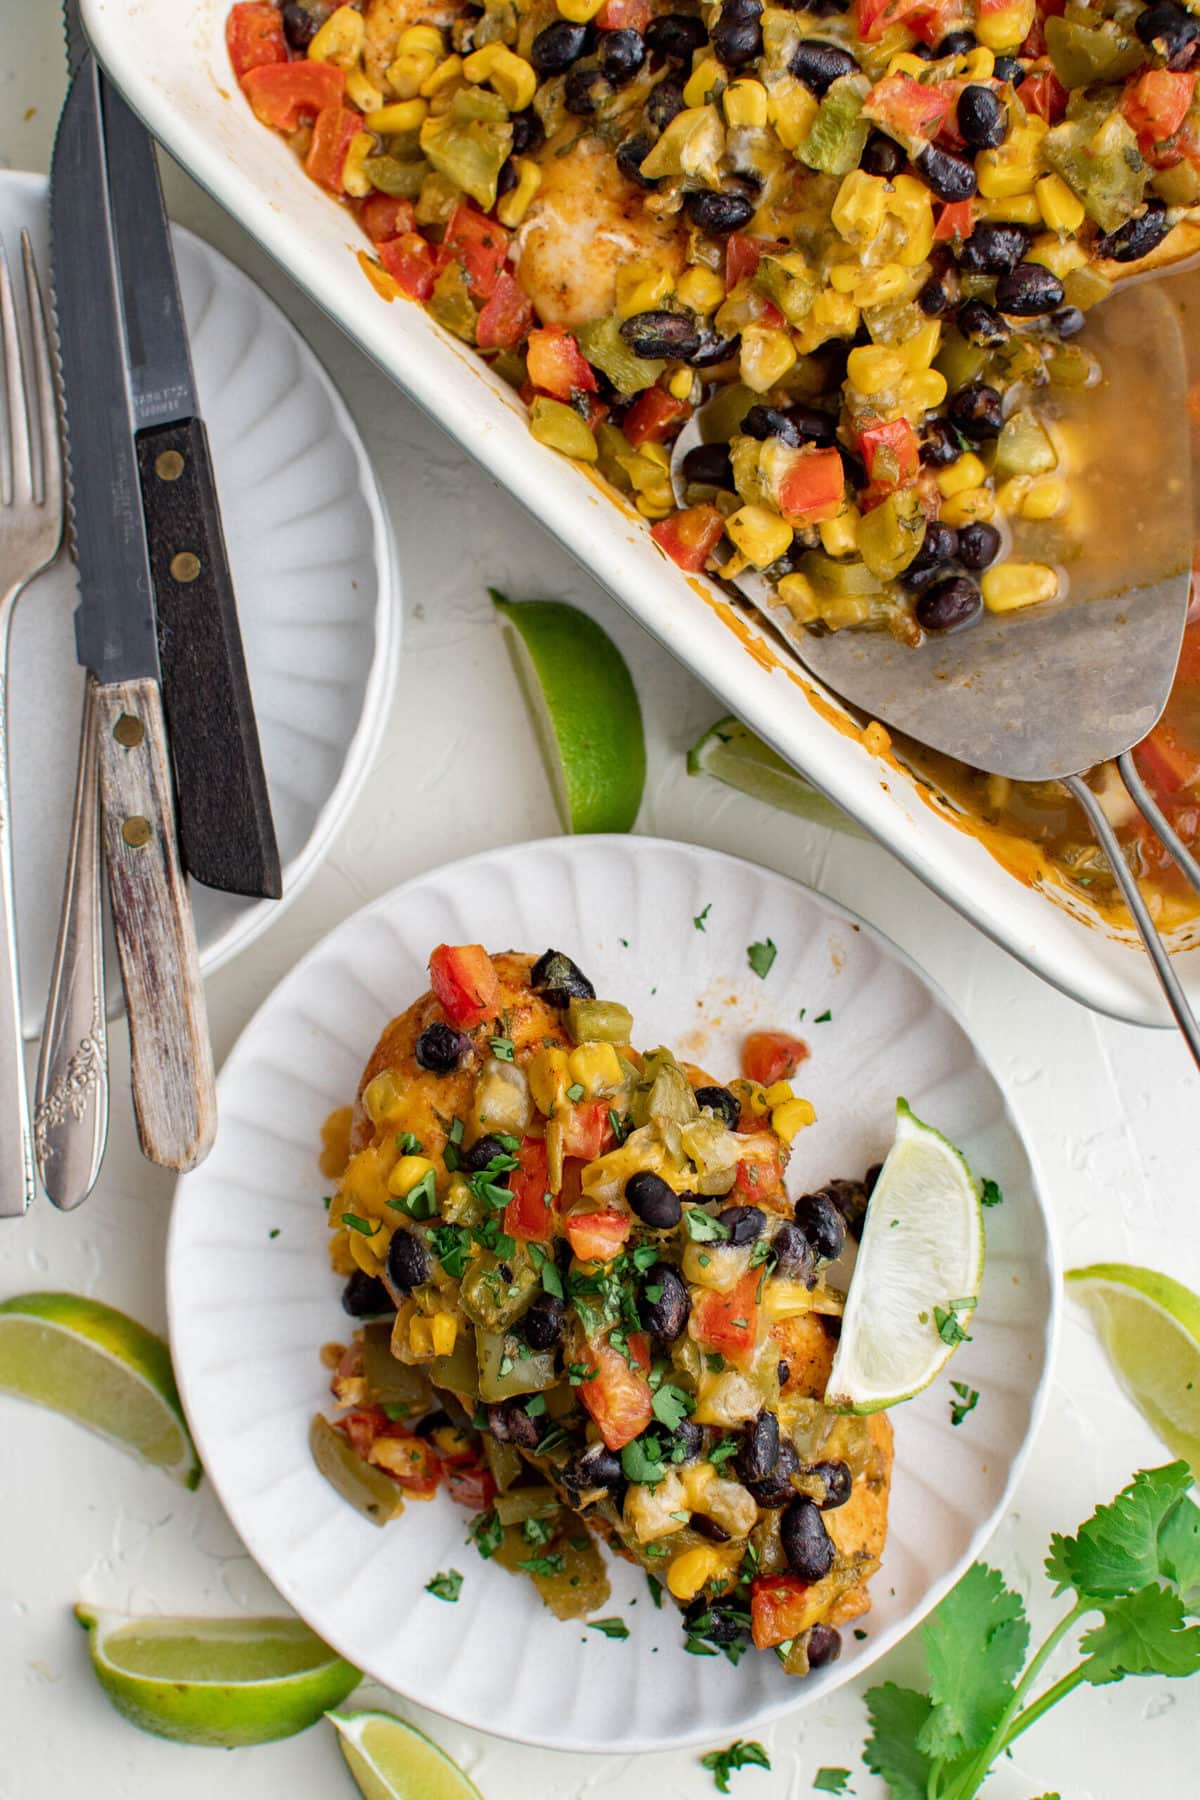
116	640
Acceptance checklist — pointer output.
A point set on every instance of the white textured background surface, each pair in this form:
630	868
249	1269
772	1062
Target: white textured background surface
1112	1114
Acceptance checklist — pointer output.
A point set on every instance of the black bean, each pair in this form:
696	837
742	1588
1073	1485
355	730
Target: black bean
630	157
719	1100
684	1444
558	46
409	1263
993	249
717	1622
1139	237
783	1372
509	1423
543	1323
950	176
938	294
1029	291
758	1451
939	445
709	465
813	425
949	605
714	348
622	54
365	1295
837	1481
978	545
528	131
665	102
882	155
556	979
982	120
506	180
806	1543
926	52
483	1151
737	35
1068	321
667	1315
301	25
595	1467
824	1646
822	1224
818	64
1007	68
653	1201
938	546
708	1528
745	1224
676	35
583	91
794	1255
1167	28
656	335
776	1490
955	43
977	411
764	422
441	1049
718	212
982	324
850	1197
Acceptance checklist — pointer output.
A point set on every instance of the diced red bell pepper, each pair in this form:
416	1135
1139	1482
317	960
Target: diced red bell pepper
954	220
383	217
891	453
1044	94
907	108
728	1322
410	262
654	417
471	1486
465	981
811	487
283	94
624	15
929	20
334	131
1166	762
597	1236
777	1607
479	244
760	1167
770	1056
254	36
1157	103
556	364
529	1215
506	317
742	256
690	537
618	1397
361	1427
1034	44
586	1129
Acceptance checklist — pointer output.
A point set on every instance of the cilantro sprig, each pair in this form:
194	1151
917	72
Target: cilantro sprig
1135	1563
743	1753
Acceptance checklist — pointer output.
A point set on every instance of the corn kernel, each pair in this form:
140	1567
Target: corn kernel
845	277
757	1102
837	312
1010	585
881	287
1017	209
871	368
1008	26
510	75
920	349
687	1574
362	1252
421	40
877	739
681	383
911	205
382	1098
969	506
420	1335
692	144
355	180
745	103
1059	255
449	1439
408	70
791	108
761	536
905	63
560	428
967	472
799	595
1045	499
859	207
700	290
546	1074
920	393
793	1116
778	1092
362	92
839	535
1011	493
513	206
1059	206
404	115
784	1299
408	1172
340	39
641	286
1013	165
766	356
443	1330
703	82
443	76
579	11
980	64
596	1067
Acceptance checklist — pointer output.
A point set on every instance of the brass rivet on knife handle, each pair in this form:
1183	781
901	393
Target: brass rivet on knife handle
169	466
129	731
174	1091
185	566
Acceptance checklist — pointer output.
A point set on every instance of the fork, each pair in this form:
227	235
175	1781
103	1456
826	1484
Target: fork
31	527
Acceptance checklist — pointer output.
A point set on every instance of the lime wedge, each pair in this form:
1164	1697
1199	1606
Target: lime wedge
918	1272
391	1760
730	751
585	711
102	1369
223	1682
1150	1326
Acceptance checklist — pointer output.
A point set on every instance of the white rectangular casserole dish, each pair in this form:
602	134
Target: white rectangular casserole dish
170	62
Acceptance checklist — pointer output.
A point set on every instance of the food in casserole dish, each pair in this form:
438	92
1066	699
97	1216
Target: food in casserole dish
598	1315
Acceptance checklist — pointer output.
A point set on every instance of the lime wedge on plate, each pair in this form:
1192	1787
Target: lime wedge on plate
730	751
916	1280
102	1369
391	1760
1150	1326
585	710
221	1682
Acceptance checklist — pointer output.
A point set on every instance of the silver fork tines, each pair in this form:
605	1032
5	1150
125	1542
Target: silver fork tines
31	524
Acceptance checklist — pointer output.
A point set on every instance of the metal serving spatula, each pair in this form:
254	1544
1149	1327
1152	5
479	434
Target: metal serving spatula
1048	693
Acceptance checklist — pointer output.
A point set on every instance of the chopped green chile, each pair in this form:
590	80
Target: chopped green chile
458	1373
1084	53
1097	155
477	103
505	1462
494	1299
959	361
792	291
889	536
516	1504
507	1367
470	153
451	304
837	579
391	1382
602	344
1024	447
391	176
599	1022
839	132
367	1489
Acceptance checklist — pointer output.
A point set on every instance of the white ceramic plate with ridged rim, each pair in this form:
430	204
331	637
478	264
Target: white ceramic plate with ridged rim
314	566
174	70
249	1310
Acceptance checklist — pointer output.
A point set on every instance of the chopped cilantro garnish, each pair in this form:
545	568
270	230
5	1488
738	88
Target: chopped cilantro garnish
487	1534
720	1453
621	1127
612	1628
643	1257
456	1130
397	1412
535	1406
544	1565
697	1647
761	958
655	1586
642	1461
991	1195
968	1400
946	1319
537	1531
575	1092
446	1585
743	1753
408	1144
831	1781
546	1267
715	1362
366	1227
671	1405
699	920
503	1048
578	1373
657	1550
274	1231
420	1202
452	1247
823	1018
702	1227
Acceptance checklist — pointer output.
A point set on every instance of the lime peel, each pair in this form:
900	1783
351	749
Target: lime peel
391	1760
730	752
1149	1325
